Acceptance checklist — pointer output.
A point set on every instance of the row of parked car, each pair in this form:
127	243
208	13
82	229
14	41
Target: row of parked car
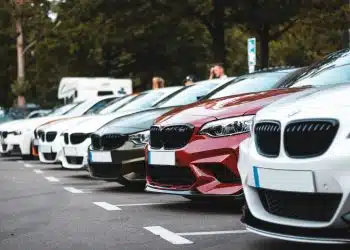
277	138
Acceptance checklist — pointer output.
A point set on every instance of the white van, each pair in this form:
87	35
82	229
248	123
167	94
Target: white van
77	89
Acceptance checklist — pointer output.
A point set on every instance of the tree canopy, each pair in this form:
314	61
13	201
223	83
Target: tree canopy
172	39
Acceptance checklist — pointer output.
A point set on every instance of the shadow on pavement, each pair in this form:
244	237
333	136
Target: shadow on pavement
121	189
203	206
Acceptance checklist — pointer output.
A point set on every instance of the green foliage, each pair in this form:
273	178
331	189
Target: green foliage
140	39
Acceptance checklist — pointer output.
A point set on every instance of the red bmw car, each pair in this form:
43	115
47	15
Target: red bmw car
193	151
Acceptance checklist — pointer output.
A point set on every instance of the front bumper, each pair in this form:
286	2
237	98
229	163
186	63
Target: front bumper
21	142
76	156
209	166
330	178
128	162
296	234
50	152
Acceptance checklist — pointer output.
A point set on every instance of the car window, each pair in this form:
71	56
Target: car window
325	76
145	101
249	83
99	106
115	105
64	109
189	95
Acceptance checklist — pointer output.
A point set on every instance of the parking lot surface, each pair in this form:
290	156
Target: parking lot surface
47	207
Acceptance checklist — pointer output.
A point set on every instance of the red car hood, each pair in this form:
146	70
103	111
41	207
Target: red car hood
238	105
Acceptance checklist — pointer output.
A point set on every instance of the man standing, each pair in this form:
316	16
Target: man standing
217	71
158	82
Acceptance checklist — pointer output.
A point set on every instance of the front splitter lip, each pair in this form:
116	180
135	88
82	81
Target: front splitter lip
300	239
155	189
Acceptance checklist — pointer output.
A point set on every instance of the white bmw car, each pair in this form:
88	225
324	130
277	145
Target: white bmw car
52	136
295	167
19	135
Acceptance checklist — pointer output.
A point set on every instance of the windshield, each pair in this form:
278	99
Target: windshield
97	107
63	109
188	95
114	105
325	76
249	83
145	101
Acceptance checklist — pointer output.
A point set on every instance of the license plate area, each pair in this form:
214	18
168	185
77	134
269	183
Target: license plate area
161	158
283	180
100	157
45	149
70	151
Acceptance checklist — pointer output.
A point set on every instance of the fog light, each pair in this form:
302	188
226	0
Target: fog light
346	218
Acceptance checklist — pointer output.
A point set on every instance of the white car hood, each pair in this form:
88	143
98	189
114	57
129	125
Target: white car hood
316	102
29	124
64	124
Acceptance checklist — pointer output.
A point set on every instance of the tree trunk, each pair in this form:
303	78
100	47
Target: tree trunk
20	58
264	38
217	32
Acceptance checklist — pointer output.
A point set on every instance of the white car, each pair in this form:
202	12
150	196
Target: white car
19	135
295	168
52	135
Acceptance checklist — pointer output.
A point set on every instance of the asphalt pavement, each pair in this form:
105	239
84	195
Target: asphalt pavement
47	207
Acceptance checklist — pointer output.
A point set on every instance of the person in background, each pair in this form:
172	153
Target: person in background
158	82
217	71
189	80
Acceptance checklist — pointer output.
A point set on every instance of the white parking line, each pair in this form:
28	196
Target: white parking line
107	206
52	179
214	233
20	161
168	235
74	190
38	171
28	165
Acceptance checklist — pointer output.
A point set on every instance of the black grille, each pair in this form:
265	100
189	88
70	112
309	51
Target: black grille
51	136
50	156
301	206
105	171
75	160
96	141
170	137
170	175
268	138
4	134
66	138
42	135
309	138
113	141
78	138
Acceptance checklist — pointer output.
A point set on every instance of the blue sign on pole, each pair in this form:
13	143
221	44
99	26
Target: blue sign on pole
251	49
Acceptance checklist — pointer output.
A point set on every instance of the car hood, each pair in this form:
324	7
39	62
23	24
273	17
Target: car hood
97	121
63	124
29	124
133	123
238	105
312	100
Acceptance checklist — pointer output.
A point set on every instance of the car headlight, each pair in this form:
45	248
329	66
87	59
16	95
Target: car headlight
140	138
227	127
